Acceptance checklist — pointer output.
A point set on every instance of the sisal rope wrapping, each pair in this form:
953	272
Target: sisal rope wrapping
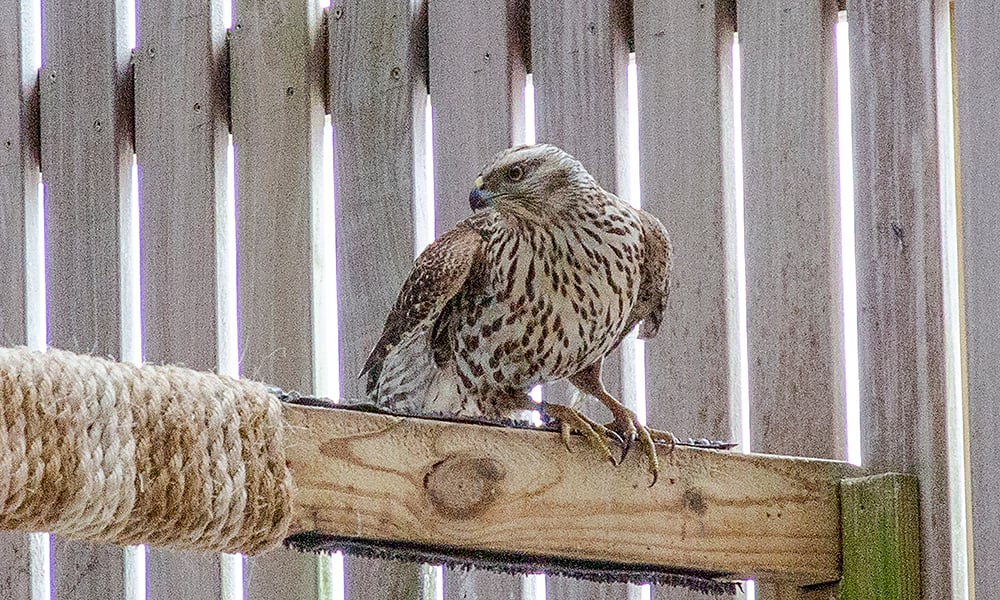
114	452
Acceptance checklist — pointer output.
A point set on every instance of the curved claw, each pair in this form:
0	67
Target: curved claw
624	431
650	451
564	431
628	426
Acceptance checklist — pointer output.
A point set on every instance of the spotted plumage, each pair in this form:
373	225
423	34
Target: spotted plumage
541	283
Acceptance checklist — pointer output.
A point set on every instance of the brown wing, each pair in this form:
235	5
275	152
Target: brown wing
438	274
655	273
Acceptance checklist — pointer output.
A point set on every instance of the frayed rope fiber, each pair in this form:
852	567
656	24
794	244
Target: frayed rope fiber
114	452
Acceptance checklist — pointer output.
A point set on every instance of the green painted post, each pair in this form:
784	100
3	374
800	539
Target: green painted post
880	518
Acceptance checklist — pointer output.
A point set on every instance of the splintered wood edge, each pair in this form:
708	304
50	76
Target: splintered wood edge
466	489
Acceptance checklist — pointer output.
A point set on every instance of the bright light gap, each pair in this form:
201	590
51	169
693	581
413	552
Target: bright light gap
131	24
131	317
529	109
39	544
326	339
532	585
134	557
741	271
848	261
326	355
431	576
749	586
634	349
230	565
423	222
955	413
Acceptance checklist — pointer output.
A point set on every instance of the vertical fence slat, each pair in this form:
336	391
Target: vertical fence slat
481	585
579	56
795	347
792	215
901	321
180	145
477	91
180	136
18	187
18	169
377	93
15	572
277	69
684	63
978	69
86	159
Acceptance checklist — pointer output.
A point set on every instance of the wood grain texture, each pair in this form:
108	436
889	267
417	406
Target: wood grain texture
474	584
181	99
978	63
86	146
378	70
86	157
901	303
792	230
881	531
477	91
579	56
568	587
181	106
19	161
277	113
392	478
15	573
19	174
377	81
684	52
792	216
277	66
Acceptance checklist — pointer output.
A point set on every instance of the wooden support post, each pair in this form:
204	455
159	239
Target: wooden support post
881	537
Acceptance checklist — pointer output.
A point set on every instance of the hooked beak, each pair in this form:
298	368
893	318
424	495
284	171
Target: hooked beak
478	198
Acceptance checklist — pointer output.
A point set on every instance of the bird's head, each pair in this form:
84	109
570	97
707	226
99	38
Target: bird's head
529	181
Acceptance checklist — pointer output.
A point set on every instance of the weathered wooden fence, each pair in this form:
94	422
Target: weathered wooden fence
178	272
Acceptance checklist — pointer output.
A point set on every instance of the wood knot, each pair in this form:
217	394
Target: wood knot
463	486
695	502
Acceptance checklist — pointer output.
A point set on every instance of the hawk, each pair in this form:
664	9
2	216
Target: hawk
541	283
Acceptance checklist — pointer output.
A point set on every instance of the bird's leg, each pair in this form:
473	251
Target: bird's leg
571	420
625	423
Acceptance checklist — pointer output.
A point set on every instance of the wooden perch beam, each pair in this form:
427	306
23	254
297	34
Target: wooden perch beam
488	489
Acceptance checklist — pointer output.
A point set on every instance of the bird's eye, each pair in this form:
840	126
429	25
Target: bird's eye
515	173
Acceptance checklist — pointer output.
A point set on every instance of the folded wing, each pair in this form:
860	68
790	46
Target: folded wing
438	274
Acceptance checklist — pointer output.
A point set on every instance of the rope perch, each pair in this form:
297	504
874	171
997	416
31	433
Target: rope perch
127	454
